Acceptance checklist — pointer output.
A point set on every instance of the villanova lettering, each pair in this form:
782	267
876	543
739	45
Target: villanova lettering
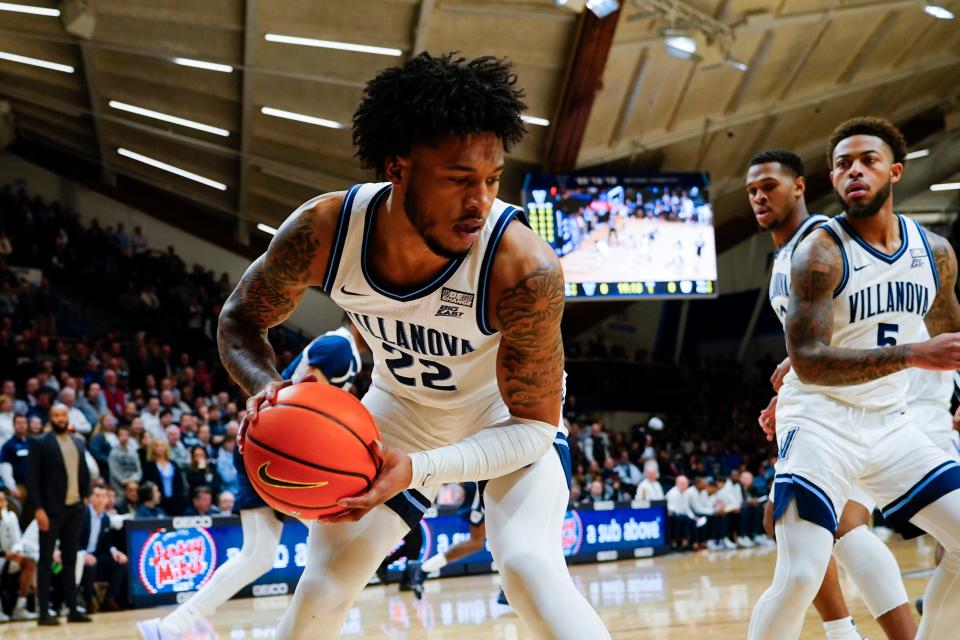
412	337
889	297
780	286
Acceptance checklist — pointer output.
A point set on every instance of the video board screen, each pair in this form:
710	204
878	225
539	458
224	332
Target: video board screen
633	236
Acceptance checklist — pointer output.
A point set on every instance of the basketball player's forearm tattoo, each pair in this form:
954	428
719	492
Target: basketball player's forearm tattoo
815	273
266	296
531	352
944	315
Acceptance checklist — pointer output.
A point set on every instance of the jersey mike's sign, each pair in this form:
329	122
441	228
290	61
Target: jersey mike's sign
177	560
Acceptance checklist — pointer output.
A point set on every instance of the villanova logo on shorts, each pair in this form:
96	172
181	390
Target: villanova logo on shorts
177	560
787	442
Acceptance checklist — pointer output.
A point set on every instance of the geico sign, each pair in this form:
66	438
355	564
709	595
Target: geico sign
276	589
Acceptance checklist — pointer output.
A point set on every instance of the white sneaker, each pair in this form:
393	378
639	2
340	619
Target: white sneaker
153	629
19	613
745	542
728	544
4	617
712	545
764	541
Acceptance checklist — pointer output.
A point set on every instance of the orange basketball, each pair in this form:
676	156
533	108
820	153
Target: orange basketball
310	448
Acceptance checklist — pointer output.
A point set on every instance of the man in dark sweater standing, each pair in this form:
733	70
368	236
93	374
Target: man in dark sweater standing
58	482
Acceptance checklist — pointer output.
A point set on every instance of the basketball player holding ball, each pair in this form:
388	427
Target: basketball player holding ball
332	358
460	303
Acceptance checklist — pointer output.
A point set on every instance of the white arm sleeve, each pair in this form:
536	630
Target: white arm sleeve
489	453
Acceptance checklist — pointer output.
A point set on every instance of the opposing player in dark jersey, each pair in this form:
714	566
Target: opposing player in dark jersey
775	185
332	358
460	303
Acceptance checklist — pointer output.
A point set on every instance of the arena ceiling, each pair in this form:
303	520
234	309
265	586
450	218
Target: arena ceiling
766	73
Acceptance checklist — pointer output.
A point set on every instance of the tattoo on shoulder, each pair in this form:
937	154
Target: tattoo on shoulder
944	314
532	350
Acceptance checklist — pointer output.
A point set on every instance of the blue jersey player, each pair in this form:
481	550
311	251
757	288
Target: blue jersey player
333	357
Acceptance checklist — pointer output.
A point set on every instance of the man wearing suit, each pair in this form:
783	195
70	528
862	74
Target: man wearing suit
58	482
101	558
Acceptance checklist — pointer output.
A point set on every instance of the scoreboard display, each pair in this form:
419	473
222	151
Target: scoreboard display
617	236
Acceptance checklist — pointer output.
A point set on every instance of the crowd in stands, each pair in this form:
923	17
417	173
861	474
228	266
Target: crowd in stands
148	395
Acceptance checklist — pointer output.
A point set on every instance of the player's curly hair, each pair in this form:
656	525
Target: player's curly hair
787	159
869	126
429	97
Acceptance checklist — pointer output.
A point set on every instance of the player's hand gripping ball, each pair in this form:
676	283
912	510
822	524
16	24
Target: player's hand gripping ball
309	447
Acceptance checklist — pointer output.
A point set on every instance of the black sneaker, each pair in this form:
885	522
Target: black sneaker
417	578
48	621
919	605
78	616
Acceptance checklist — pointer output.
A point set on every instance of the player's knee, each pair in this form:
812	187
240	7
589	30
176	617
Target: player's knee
260	563
854	515
523	566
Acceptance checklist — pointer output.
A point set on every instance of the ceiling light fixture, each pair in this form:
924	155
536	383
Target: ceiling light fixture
736	64
183	173
920	153
332	44
266	229
679	44
299	117
36	62
602	8
26	8
941	13
202	64
540	122
149	113
945	186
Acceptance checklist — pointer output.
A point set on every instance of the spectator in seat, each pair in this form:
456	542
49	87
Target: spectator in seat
114	395
92	403
226	502
682	521
168	477
629	473
78	419
16	556
102	560
102	443
149	498
123	461
202	502
14	458
226	468
650	488
130	500
151	418
201	472
178	452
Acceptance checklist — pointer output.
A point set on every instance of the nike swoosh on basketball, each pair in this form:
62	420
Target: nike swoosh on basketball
861	267
344	291
267	479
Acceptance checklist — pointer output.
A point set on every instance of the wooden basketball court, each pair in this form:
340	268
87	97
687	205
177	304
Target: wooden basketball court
707	595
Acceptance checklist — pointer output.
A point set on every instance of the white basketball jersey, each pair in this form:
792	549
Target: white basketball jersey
780	277
432	346
930	387
881	301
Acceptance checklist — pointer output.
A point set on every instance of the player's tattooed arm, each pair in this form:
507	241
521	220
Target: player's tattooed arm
944	314
528	307
269	291
815	273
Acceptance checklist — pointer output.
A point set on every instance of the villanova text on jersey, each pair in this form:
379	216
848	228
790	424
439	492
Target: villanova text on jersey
414	337
890	297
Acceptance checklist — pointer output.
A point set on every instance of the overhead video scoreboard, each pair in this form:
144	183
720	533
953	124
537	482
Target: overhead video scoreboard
633	236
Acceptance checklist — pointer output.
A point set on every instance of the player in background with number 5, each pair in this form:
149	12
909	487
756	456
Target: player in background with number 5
332	358
863	286
460	303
